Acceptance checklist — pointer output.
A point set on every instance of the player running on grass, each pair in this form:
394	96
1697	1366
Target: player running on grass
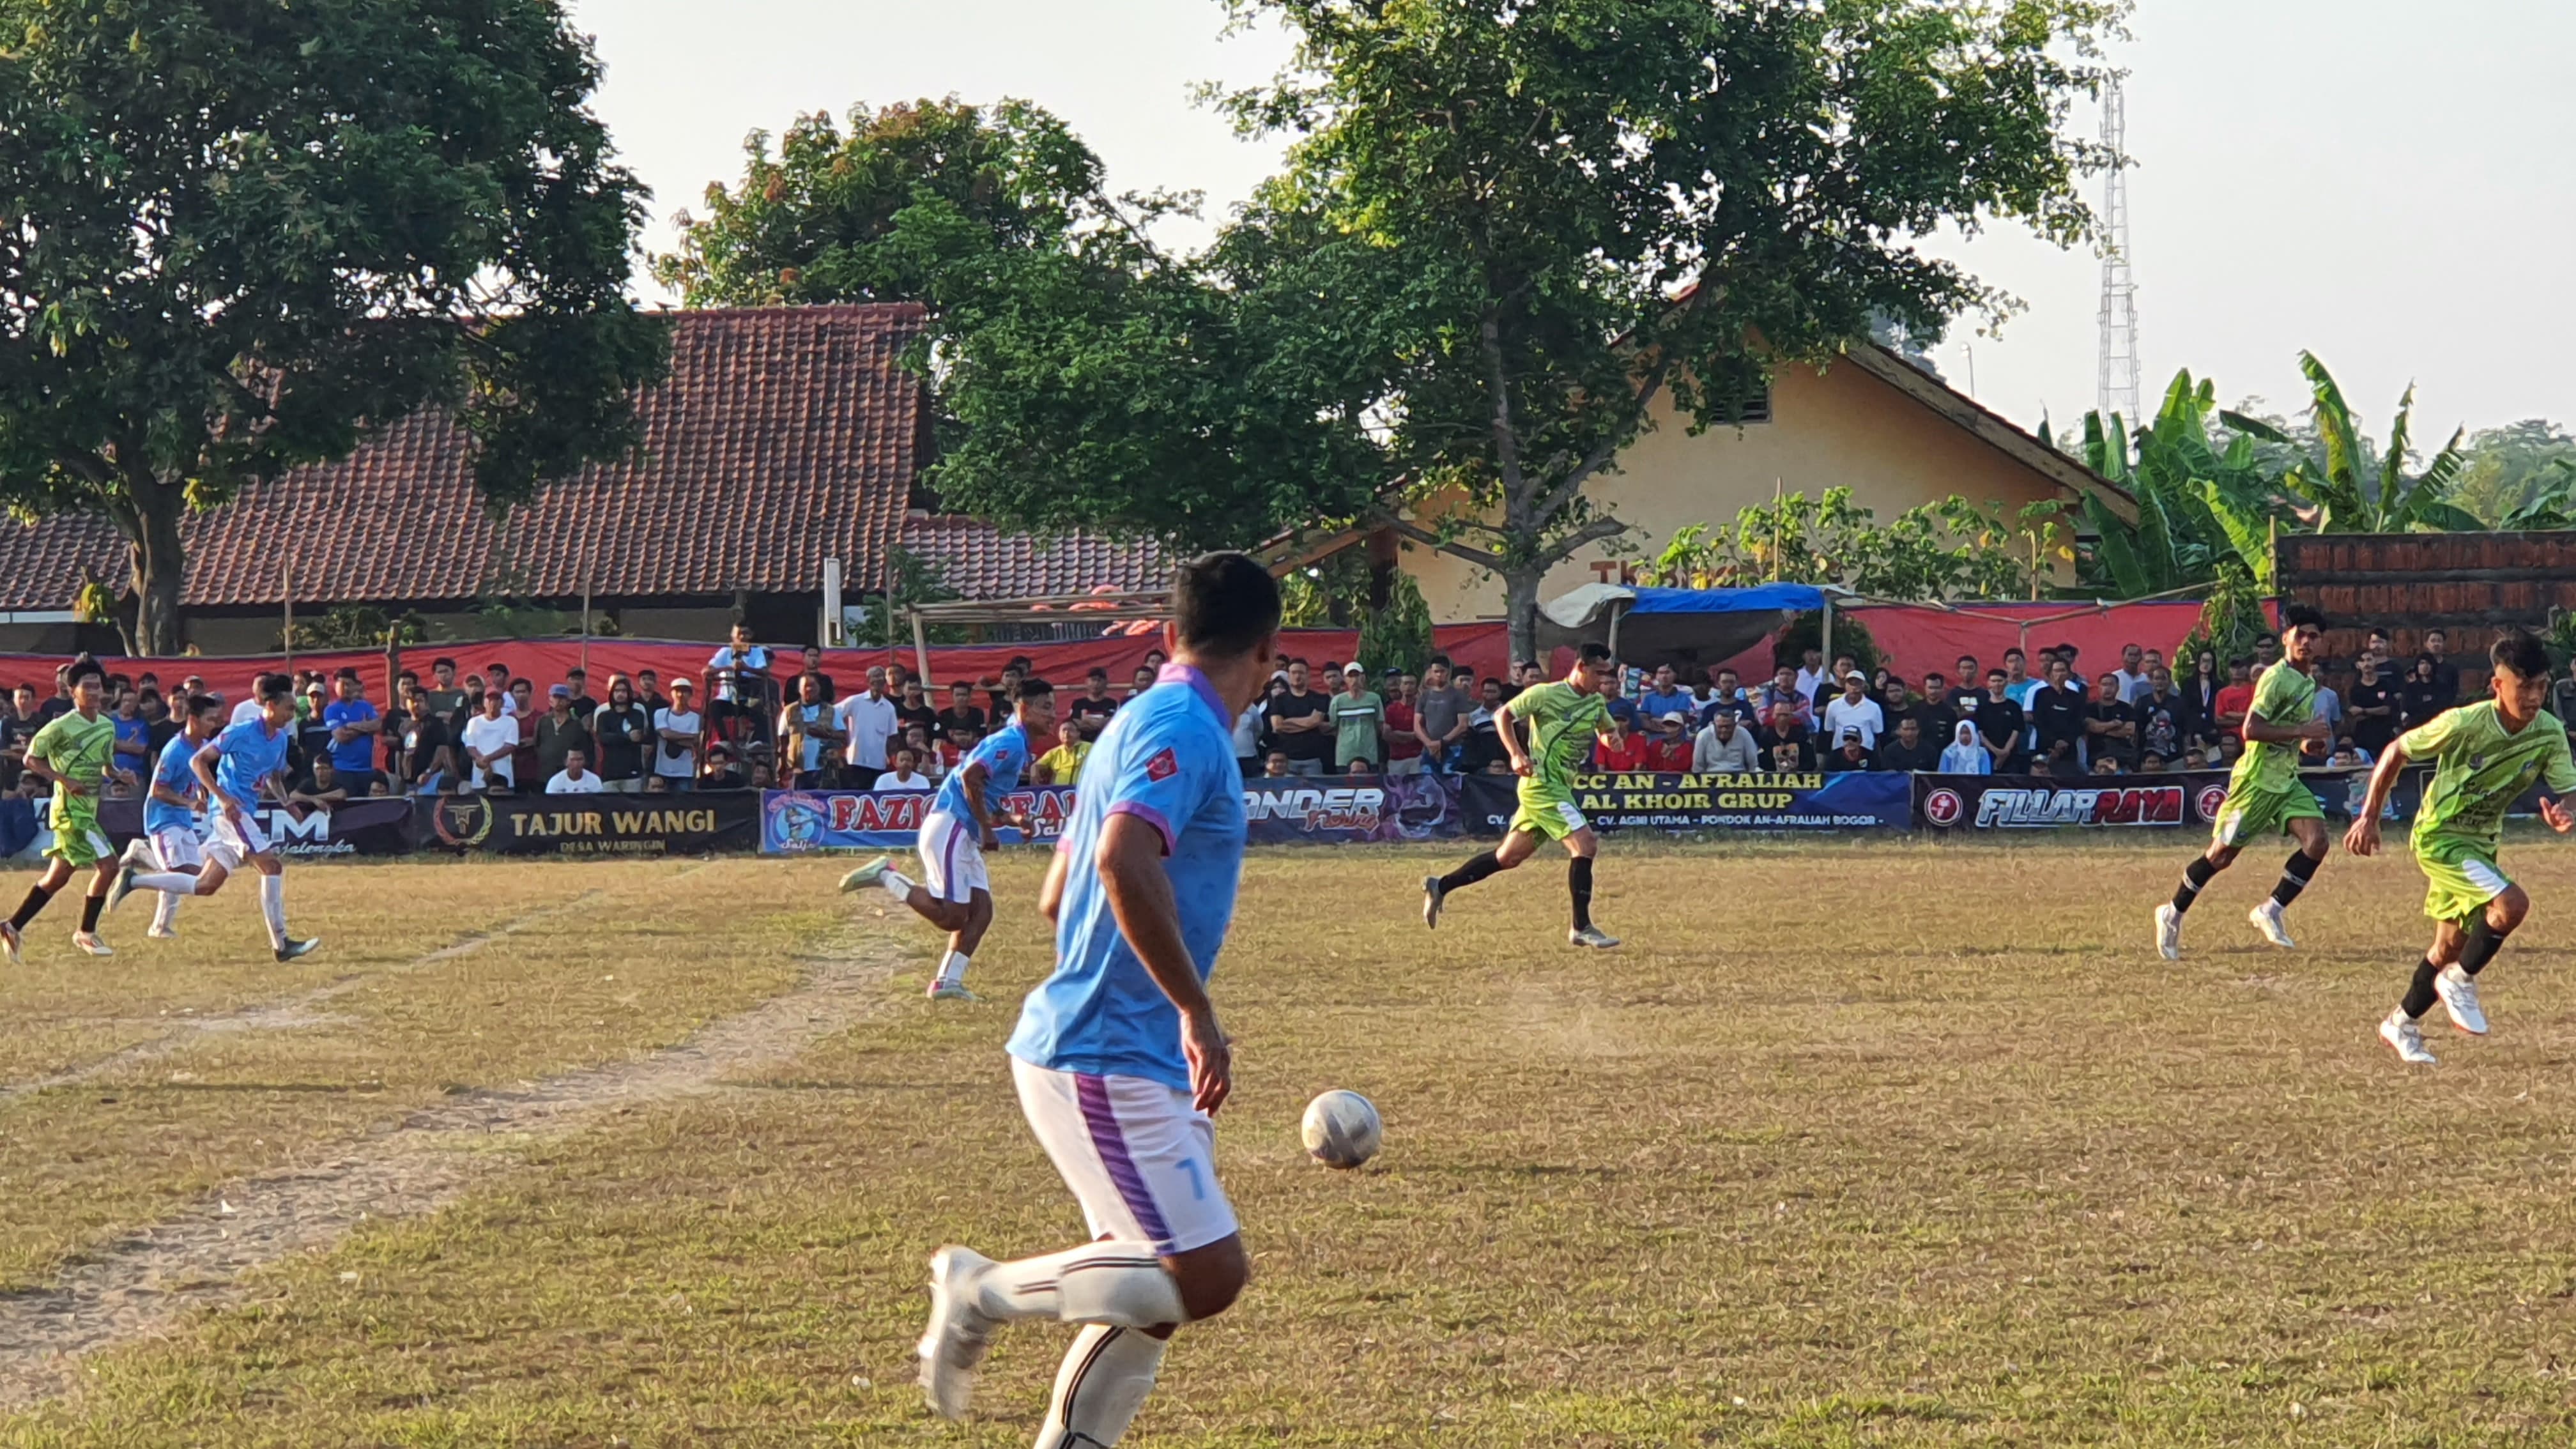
171	845
1118	1057
232	768
2485	755
73	753
1563	719
2266	794
954	893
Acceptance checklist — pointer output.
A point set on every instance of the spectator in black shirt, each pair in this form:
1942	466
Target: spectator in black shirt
912	707
18	724
2057	715
1999	724
622	730
1932	711
1963	696
813	667
1092	708
961	713
648	692
2446	675
2162	717
2371	708
1907	749
2111	726
2422	696
1850	755
577	680
1300	720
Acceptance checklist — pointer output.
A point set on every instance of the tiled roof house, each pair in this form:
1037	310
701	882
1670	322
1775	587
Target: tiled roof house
784	436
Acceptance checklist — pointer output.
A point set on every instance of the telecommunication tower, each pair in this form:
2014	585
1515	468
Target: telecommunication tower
2118	361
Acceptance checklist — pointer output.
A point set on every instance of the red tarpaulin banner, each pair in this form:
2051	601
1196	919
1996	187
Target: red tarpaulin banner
1913	638
1482	646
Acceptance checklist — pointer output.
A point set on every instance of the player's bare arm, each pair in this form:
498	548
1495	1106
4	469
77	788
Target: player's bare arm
43	769
2263	730
1130	861
1505	725
2363	837
1051	889
976	776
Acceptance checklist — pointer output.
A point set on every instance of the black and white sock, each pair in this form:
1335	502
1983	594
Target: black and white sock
2295	875
2195	875
1578	884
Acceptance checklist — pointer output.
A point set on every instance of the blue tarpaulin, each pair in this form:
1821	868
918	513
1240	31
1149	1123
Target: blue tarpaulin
1761	598
1673	626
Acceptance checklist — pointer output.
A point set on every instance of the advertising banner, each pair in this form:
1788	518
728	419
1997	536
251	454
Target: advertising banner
2038	802
795	821
590	824
1339	809
1859	800
381	825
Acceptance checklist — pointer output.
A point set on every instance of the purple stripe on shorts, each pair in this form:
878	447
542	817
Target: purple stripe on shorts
948	883
1111	1144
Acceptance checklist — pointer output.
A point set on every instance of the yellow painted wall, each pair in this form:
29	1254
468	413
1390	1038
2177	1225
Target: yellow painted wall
1840	428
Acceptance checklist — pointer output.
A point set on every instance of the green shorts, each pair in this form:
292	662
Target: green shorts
1549	812
2248	815
2460	877
77	839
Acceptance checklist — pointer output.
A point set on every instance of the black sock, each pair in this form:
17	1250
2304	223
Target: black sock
2419	993
90	907
1470	873
2295	877
35	901
2194	876
1578	883
2481	945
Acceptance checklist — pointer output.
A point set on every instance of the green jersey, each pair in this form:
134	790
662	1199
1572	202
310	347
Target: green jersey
2480	770
2283	696
1562	721
79	749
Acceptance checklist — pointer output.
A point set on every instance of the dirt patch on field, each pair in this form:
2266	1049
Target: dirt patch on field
139	1286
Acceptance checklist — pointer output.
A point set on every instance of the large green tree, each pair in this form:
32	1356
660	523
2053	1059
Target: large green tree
1545	221
234	237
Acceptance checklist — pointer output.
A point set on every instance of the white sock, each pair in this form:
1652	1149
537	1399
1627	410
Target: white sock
1103	1383
1119	1284
272	904
165	912
169	882
952	969
896	886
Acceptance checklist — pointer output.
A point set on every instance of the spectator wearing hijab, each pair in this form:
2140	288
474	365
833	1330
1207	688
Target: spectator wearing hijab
1966	755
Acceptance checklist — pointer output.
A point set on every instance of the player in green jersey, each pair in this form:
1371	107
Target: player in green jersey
2485	755
74	753
1563	718
2266	795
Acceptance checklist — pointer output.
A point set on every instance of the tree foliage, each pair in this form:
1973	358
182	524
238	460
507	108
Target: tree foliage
235	237
2352	487
1952	549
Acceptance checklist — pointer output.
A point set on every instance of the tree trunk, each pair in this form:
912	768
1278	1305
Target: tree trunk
157	568
1520	609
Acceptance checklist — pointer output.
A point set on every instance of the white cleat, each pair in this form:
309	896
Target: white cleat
124	886
2406	1038
2459	993
9	944
1431	894
951	991
2267	918
866	874
2169	932
953	1346
294	948
1592	936
163	933
88	942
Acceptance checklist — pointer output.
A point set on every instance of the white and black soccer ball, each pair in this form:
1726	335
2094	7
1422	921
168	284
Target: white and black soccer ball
1342	1129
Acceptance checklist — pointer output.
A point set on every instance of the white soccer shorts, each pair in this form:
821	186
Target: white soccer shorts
232	843
952	860
1140	1159
178	849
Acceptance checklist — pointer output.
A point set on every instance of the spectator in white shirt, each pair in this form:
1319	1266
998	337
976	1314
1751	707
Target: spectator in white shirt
576	777
905	774
1855	710
1724	747
868	718
678	733
492	740
2135	683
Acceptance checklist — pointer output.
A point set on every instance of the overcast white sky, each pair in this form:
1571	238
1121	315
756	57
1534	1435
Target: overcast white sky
2388	184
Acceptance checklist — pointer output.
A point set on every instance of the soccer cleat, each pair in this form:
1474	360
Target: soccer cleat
124	886
2267	918
9	944
953	1346
2405	1037
137	853
163	933
2459	993
1593	936
2169	932
294	948
88	942
866	874
946	990
1431	894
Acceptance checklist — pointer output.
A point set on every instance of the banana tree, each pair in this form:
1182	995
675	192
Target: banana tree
2194	502
2348	490
2552	504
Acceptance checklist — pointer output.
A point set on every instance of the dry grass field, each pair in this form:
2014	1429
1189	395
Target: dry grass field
1853	1144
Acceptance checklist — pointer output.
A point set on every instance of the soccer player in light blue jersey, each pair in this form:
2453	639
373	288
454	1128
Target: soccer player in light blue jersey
954	892
1118	1057
233	768
172	842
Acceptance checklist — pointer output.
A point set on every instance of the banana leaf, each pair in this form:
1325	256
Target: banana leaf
2111	547
2248	530
2254	427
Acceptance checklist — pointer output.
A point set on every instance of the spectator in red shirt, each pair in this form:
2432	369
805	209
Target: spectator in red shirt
1668	744
1403	746
2235	700
1621	751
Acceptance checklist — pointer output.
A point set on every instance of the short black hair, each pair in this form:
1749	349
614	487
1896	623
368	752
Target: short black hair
1589	653
348	672
1033	688
496	664
199	703
1096	672
1224	604
2520	651
442	662
2301	617
84	668
272	686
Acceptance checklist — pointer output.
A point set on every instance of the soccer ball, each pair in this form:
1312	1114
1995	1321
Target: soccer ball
1341	1129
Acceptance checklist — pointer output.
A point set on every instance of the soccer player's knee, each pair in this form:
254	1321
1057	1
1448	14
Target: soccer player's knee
1211	1278
2508	909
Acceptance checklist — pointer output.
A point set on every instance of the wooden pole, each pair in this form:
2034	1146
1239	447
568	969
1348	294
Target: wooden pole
920	650
286	591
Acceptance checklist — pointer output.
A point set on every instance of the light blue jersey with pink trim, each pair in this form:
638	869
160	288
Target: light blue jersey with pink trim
1004	754
1167	758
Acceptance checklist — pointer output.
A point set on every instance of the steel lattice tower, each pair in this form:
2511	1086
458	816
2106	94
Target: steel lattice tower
2118	360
